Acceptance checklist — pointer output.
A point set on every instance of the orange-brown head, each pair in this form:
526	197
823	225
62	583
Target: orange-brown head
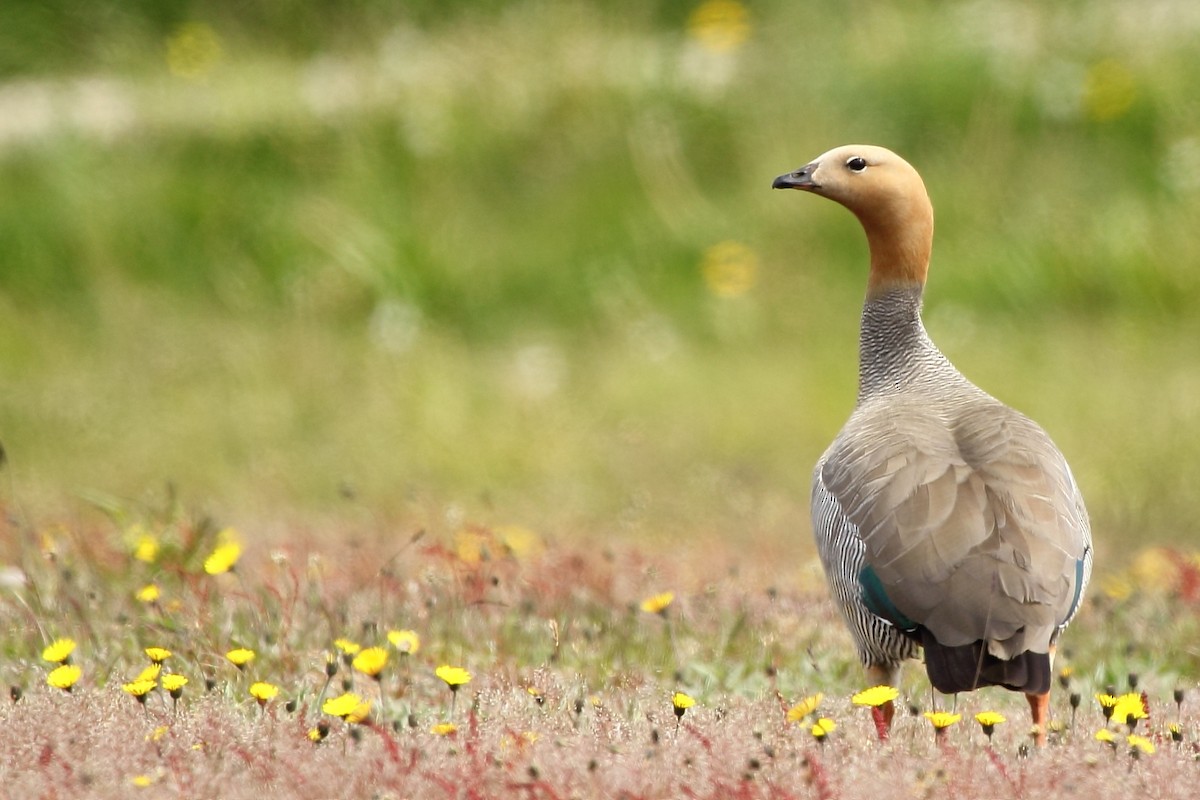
889	199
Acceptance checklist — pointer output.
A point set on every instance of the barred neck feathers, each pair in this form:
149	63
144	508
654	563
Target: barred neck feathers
894	351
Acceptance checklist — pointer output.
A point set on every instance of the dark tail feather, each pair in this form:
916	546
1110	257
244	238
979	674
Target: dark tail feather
970	666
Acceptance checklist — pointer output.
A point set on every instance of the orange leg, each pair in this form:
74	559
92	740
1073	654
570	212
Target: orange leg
1039	707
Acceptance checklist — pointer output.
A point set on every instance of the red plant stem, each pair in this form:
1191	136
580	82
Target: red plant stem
820	778
393	749
881	723
1003	770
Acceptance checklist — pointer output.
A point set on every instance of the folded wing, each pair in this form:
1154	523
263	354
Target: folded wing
971	520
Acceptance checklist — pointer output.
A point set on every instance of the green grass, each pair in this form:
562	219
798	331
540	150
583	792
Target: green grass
274	417
299	274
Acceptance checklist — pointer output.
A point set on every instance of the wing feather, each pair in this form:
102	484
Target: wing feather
970	518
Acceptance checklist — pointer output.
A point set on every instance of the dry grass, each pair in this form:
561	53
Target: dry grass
748	633
94	743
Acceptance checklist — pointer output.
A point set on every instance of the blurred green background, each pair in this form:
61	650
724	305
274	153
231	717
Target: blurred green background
447	261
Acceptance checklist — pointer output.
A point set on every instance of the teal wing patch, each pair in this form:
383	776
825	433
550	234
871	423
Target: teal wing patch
1080	580
878	603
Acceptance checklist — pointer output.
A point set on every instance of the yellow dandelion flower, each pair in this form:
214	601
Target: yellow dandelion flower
371	661
471	546
141	781
875	696
1140	744
444	729
1106	736
682	702
318	734
1128	709
405	641
519	541
193	51
263	691
805	707
453	676
823	727
240	656
148	593
59	651
145	548
174	684
347	647
158	654
48	542
139	688
989	719
1109	90
1117	587
730	269
659	603
359	714
150	673
64	677
223	558
720	26
342	705
941	720
157	734
1107	704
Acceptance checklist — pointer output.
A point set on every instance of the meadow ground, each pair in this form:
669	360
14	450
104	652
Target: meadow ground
574	652
479	321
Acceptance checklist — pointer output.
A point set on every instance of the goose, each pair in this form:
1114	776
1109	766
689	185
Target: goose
946	521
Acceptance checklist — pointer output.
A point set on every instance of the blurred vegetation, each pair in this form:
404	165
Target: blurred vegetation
457	259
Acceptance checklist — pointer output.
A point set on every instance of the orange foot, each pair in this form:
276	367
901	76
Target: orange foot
1039	707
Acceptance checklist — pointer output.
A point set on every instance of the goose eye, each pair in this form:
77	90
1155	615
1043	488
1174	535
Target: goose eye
856	164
